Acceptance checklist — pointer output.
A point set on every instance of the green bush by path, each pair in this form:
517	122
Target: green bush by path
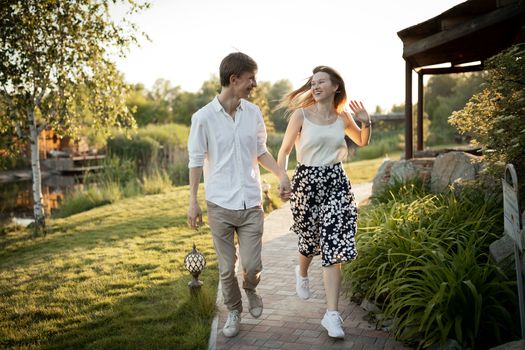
152	147
423	259
110	278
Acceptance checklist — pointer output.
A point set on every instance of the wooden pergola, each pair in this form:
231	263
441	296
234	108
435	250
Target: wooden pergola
461	38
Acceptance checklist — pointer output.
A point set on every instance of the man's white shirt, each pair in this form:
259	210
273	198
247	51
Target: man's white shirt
228	150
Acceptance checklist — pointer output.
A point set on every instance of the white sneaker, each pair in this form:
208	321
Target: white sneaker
232	325
302	285
333	323
255	304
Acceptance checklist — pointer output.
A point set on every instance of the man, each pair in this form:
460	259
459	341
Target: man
228	142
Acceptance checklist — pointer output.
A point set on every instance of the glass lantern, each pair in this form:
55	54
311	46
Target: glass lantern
194	263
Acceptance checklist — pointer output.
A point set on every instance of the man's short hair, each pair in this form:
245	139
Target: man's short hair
235	64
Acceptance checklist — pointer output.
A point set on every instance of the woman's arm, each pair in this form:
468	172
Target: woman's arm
360	136
292	132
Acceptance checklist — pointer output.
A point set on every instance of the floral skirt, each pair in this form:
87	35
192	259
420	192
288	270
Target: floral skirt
324	213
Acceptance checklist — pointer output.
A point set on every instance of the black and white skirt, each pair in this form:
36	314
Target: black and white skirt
324	213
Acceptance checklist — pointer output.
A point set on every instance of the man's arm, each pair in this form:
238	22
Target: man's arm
194	210
268	162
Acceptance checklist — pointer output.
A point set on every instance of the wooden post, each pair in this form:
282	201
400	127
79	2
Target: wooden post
408	111
419	111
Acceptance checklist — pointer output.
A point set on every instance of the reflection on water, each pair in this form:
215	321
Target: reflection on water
16	198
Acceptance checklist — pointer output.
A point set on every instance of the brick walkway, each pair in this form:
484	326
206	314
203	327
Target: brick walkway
288	322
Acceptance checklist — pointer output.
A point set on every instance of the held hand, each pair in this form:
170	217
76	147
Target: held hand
284	189
194	216
359	110
284	195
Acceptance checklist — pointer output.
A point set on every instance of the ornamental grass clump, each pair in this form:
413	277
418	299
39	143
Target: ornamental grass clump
423	259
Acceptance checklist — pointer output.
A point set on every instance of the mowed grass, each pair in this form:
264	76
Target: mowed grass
113	277
109	278
362	171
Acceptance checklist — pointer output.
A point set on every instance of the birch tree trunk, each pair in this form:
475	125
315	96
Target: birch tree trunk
38	206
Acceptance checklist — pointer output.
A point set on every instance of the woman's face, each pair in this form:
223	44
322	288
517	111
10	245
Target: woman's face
322	87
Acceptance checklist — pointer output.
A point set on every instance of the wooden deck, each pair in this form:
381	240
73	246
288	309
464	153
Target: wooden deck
77	164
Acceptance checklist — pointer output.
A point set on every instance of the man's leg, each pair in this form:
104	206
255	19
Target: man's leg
250	243
221	223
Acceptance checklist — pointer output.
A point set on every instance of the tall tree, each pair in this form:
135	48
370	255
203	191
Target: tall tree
209	89
52	53
445	94
276	93
259	96
184	105
155	106
144	109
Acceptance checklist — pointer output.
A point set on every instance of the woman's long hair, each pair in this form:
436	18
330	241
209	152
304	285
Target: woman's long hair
302	97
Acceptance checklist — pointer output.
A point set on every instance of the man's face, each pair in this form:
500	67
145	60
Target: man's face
244	84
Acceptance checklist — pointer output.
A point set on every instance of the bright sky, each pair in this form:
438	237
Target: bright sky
287	39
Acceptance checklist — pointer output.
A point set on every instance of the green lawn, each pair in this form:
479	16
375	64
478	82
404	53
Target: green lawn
113	277
364	170
108	278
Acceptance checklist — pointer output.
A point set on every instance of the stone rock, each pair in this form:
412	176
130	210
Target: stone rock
402	171
369	306
515	345
424	168
381	177
453	167
501	248
502	251
450	344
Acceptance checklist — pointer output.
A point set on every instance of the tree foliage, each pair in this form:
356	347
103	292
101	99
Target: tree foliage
56	71
276	92
166	104
52	52
259	96
186	103
495	117
444	95
150	107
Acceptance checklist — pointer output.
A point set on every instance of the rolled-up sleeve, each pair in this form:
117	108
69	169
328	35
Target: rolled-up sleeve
197	144
261	136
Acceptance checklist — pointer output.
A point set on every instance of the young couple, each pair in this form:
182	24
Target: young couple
227	143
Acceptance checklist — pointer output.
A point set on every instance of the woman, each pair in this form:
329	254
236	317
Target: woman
322	203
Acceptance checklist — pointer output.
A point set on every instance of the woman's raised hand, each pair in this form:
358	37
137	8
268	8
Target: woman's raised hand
360	111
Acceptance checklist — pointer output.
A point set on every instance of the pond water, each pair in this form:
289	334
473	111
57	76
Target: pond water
16	198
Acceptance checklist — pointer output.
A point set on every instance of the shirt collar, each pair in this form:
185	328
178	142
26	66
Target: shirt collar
218	107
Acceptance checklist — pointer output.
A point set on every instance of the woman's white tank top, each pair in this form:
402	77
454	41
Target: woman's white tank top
320	145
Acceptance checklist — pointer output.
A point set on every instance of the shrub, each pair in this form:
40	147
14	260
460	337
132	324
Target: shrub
423	258
143	151
495	117
80	201
179	173
148	147
157	182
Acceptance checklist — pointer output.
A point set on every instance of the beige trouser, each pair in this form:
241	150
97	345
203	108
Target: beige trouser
248	224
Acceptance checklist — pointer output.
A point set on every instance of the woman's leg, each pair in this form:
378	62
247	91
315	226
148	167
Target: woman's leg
304	264
332	320
332	285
